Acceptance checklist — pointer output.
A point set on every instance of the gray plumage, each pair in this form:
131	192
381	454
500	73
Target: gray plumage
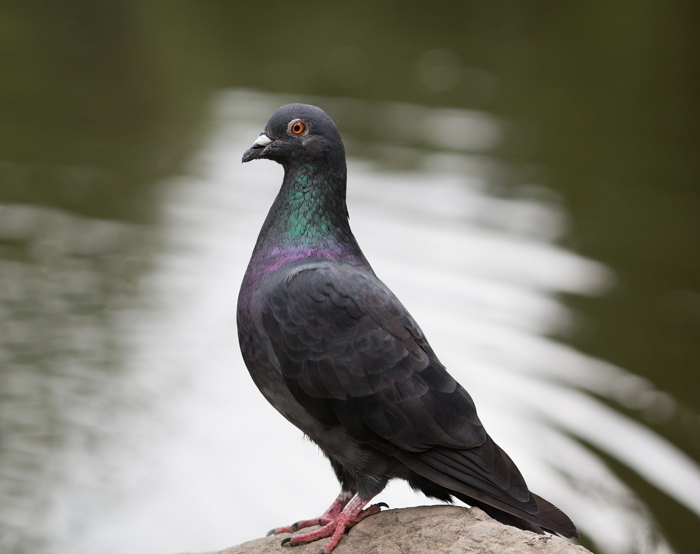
332	348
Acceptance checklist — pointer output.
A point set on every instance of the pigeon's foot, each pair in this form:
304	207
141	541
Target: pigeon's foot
329	515
352	514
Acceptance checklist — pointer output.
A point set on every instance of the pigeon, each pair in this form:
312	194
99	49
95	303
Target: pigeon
337	354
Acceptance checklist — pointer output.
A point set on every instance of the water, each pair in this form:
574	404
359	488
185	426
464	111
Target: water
557	235
164	440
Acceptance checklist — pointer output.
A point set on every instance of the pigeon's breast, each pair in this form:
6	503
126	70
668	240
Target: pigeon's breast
264	369
258	354
257	351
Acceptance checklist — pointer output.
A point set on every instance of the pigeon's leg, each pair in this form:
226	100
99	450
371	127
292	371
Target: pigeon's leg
352	514
330	514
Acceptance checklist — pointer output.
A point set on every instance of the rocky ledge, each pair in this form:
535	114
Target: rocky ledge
439	529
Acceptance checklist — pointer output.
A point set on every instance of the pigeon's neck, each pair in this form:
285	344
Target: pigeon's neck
309	219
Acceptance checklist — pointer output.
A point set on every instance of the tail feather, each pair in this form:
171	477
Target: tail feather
550	518
533	514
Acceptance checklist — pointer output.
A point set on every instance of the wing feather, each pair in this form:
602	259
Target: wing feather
352	356
347	348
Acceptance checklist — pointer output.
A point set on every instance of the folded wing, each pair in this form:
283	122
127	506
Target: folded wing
352	355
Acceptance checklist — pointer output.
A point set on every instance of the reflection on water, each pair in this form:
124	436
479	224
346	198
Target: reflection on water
61	280
129	423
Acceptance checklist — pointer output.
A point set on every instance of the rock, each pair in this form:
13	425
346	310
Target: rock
444	529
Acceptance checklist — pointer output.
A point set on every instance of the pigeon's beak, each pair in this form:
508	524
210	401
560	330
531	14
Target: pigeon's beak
255	151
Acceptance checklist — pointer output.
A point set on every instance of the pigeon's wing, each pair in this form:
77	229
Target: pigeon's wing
352	355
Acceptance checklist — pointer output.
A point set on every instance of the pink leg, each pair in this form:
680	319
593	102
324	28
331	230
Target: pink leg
330	514
352	514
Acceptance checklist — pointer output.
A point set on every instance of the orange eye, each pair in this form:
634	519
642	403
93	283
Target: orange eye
297	127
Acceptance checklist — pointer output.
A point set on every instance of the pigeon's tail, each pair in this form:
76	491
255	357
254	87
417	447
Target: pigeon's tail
550	518
499	490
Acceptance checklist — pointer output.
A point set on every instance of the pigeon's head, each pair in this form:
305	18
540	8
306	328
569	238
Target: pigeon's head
297	133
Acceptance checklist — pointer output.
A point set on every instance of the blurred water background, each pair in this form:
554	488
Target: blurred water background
523	175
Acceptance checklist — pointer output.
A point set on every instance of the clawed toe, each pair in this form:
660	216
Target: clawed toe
334	523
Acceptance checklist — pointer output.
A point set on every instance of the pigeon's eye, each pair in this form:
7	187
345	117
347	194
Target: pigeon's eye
297	127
